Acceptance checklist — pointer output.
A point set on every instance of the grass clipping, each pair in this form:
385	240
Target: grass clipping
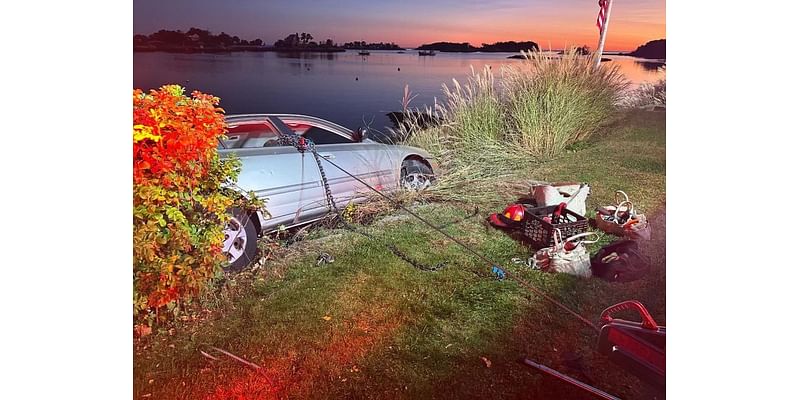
487	130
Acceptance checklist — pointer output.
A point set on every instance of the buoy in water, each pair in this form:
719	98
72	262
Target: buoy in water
356	78
398	68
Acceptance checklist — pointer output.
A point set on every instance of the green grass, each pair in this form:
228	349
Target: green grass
398	332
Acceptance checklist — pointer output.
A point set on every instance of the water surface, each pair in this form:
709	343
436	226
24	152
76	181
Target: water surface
345	88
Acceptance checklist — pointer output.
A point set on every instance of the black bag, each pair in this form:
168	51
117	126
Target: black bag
620	262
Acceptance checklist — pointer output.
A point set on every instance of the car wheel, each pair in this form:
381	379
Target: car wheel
415	175
240	240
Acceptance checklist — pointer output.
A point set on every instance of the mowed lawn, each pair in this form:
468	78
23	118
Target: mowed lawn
369	325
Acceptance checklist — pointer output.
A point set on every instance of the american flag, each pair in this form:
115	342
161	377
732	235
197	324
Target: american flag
601	16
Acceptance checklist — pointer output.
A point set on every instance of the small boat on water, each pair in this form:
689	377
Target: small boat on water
363	53
427	53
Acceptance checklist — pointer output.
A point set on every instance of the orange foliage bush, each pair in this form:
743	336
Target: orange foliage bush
179	195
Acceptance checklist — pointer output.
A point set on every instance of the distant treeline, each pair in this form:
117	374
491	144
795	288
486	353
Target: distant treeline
200	40
654	49
193	40
509	46
372	46
305	42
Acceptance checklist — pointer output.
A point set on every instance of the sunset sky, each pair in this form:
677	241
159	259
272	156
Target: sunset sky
551	23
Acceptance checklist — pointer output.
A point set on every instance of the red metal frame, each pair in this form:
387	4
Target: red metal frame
647	321
639	347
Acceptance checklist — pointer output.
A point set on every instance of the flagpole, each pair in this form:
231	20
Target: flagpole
602	42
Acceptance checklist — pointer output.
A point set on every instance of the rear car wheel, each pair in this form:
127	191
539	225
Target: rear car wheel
240	240
415	175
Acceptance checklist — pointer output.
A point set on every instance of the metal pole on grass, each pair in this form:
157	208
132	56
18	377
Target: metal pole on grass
591	389
603	31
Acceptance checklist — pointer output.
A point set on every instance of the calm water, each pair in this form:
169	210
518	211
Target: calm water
325	85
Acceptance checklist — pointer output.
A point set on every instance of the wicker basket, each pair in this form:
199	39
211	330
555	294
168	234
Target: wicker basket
613	227
541	232
609	226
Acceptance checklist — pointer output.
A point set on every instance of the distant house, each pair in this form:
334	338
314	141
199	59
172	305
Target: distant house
194	37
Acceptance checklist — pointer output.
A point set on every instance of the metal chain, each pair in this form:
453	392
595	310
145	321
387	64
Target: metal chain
302	144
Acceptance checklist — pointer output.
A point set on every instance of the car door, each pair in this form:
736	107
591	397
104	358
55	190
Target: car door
278	174
337	145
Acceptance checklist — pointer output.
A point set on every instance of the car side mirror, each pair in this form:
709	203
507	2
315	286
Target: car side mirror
360	134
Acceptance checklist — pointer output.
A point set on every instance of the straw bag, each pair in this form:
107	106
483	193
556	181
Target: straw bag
568	256
623	220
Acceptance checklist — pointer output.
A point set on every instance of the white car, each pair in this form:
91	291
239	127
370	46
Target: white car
290	182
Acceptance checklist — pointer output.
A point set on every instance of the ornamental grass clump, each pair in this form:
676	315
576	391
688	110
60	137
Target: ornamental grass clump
555	101
648	94
179	200
474	109
469	140
487	130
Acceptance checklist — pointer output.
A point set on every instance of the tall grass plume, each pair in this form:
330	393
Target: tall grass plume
553	101
648	94
489	129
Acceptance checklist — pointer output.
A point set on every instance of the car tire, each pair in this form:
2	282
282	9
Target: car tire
415	175
240	243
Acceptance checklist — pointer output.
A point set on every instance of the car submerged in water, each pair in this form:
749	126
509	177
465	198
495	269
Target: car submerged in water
290	183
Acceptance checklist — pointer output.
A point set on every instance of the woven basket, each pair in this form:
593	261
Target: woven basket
541	232
609	226
612	227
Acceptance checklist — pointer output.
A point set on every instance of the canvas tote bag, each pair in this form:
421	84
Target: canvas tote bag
567	256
